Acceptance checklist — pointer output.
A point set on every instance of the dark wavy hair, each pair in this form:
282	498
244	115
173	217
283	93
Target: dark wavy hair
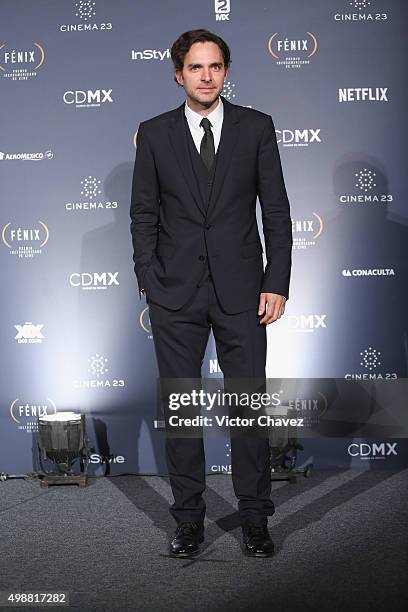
182	45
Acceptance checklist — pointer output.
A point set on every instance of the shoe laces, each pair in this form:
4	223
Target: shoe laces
256	530
186	528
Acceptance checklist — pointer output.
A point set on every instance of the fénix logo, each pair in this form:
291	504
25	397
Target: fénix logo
150	54
292	52
21	64
307	231
94	280
222	9
29	333
347	272
298	137
25	242
363	94
25	415
89	98
372	451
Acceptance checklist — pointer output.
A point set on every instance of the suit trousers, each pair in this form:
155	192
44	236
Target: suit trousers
180	339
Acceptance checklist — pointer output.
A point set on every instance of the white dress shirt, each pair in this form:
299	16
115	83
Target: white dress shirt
197	132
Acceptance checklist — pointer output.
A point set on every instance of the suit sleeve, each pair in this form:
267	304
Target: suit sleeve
276	221
144	207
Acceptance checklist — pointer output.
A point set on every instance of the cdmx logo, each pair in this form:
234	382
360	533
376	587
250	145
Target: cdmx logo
372	451
88	98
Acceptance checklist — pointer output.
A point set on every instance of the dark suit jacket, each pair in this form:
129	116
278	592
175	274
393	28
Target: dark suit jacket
172	232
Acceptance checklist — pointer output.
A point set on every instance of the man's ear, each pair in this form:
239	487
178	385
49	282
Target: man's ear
179	77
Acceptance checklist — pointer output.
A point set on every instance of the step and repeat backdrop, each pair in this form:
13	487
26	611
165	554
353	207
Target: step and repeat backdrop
76	79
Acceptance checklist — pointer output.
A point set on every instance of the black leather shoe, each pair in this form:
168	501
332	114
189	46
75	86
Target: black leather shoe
186	540
257	541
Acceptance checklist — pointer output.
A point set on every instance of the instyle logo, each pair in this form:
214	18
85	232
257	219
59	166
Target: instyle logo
360	11
25	414
98	459
85	12
150	54
88	99
23	242
292	52
298	137
21	64
90	281
90	190
363	94
29	333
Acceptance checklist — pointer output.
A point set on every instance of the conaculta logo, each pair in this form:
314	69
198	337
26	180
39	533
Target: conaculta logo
292	52
347	272
21	64
24	242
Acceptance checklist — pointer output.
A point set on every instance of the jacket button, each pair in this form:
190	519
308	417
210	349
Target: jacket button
201	257
208	226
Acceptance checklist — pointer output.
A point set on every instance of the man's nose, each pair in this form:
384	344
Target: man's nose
206	76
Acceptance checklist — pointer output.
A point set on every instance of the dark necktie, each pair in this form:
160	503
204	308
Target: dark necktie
207	151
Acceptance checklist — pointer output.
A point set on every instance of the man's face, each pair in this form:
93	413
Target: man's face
203	75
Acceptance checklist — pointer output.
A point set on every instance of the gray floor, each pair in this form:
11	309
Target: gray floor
341	540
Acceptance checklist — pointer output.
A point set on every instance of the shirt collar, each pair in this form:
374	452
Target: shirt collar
215	116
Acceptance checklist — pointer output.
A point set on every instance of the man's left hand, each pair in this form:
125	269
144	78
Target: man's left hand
274	304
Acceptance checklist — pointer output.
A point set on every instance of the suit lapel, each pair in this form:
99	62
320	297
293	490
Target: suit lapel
229	134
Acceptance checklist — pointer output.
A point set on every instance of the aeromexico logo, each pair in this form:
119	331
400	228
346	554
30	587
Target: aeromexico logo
25	242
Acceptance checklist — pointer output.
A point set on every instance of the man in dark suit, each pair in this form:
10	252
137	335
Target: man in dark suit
198	259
